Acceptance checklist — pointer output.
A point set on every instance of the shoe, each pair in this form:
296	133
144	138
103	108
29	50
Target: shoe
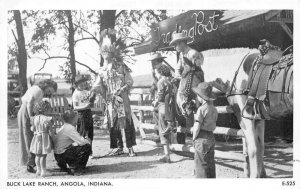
71	171
91	156
30	169
119	151
62	166
165	159
132	153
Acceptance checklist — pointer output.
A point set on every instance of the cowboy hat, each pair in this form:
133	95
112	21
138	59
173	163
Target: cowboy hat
176	37
156	56
204	90
80	79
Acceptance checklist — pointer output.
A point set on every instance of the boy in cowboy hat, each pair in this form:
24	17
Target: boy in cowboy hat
82	101
203	138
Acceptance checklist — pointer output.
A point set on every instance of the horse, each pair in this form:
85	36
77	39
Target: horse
238	72
278	103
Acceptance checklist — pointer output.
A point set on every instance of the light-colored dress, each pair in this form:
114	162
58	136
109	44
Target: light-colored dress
41	142
35	94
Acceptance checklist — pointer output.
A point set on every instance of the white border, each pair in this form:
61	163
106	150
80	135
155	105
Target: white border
154	4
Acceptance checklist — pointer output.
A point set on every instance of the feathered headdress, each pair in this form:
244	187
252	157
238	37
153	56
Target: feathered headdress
117	48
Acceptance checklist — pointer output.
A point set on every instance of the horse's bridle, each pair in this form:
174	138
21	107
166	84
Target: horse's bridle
234	79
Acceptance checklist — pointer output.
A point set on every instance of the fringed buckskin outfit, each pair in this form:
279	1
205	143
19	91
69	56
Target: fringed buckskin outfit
115	78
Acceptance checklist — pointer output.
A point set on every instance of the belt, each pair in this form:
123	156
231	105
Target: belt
205	134
40	133
202	130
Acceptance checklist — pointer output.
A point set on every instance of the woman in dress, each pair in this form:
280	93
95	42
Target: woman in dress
33	95
114	83
165	104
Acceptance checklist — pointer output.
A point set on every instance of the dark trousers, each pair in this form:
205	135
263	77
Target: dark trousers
181	122
204	158
75	156
85	124
116	140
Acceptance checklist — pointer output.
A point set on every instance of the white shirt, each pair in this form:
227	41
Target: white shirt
66	136
80	97
194	56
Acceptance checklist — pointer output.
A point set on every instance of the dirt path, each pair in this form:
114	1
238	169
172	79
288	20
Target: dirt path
278	161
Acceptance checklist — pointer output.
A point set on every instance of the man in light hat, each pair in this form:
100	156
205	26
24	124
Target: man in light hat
203	138
189	71
179	40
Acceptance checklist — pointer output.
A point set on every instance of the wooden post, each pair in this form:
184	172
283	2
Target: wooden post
141	112
190	150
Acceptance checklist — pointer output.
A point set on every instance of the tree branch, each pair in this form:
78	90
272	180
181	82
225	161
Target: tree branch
154	15
133	38
46	52
15	37
55	57
85	38
133	44
119	14
88	33
131	28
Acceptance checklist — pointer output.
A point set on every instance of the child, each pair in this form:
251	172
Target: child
203	138
82	100
41	143
70	148
165	114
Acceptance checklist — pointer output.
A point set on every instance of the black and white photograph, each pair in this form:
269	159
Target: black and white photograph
159	94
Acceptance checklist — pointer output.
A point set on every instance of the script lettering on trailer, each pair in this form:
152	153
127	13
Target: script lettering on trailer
192	23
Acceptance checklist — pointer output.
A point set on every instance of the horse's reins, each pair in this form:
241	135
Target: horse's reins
235	76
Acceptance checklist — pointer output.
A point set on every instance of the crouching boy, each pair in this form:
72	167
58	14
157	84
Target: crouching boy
69	147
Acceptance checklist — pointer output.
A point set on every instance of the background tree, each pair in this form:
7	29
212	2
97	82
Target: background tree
21	53
76	26
71	43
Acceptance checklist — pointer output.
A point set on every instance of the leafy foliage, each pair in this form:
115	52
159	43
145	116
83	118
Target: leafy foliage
66	70
49	27
12	57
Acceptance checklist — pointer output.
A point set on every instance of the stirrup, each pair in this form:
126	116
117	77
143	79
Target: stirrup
247	115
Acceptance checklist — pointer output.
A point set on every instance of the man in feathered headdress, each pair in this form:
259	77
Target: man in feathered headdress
113	84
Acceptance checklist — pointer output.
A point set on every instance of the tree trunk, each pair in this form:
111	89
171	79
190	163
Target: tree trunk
22	54
71	45
107	20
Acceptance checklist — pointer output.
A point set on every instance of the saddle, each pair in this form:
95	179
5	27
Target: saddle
271	71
